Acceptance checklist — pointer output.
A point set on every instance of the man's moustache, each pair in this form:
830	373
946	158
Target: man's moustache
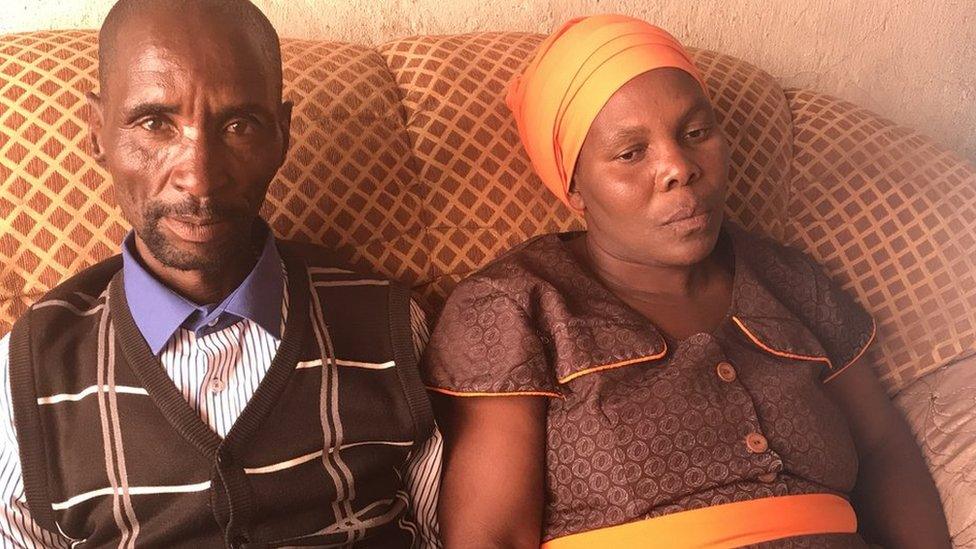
205	211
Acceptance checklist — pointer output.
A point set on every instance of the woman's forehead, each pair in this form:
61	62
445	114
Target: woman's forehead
664	95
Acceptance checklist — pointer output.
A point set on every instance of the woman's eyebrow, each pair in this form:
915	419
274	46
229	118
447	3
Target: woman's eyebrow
624	135
702	104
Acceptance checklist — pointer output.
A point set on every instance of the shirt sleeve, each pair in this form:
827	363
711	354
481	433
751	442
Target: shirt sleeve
842	325
17	529
423	473
486	344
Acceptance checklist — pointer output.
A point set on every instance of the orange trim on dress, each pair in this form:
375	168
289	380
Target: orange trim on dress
770	350
596	369
725	526
485	394
874	332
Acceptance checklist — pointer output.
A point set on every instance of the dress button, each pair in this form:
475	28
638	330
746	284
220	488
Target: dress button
726	372
767	477
756	443
216	386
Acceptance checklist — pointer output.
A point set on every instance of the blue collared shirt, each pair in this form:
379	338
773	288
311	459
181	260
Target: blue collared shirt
158	311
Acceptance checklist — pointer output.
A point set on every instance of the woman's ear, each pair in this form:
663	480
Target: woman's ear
574	197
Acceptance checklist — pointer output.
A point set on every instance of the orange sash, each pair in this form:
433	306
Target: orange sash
721	526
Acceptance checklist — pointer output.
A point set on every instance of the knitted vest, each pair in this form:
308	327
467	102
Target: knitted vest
113	455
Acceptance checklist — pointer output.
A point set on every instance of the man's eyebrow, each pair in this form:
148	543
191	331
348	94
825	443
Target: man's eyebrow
141	110
247	109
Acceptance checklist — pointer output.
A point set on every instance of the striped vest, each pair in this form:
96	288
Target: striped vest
112	454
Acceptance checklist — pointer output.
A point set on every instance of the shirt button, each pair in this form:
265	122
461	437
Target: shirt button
756	443
212	323
216	386
767	477
726	372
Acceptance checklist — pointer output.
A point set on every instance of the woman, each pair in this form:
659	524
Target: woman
661	379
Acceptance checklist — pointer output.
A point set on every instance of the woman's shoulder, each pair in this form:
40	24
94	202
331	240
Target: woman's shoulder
769	257
538	261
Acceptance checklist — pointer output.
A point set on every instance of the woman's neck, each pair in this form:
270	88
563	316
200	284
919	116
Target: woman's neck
651	282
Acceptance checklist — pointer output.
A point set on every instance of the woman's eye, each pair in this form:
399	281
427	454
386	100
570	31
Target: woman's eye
630	155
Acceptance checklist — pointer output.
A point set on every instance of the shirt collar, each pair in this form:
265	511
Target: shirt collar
158	311
755	311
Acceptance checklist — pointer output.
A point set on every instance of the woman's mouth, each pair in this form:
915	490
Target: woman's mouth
689	219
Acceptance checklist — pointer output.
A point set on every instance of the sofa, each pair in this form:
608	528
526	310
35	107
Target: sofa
405	160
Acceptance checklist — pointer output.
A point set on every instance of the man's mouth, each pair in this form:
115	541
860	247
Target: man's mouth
197	229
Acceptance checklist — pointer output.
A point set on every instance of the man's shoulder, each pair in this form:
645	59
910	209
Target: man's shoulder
71	304
82	289
322	258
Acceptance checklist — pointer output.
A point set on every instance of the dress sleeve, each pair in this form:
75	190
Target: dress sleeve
843	327
485	344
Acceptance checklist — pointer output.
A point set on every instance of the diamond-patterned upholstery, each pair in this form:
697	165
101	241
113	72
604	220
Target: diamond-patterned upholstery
894	217
405	159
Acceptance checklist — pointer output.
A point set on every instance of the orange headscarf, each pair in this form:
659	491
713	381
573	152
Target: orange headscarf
574	73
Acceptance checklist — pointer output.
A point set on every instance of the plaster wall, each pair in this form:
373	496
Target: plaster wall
912	61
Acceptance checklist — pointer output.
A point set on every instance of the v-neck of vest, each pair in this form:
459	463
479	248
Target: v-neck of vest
167	396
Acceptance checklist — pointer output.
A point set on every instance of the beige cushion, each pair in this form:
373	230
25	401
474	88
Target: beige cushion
940	409
405	159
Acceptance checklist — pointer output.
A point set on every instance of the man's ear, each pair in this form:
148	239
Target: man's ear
96	120
284	123
575	198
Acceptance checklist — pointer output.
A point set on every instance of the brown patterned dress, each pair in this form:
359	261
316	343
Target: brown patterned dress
639	426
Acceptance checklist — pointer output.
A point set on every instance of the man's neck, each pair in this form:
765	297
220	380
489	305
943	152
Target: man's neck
200	287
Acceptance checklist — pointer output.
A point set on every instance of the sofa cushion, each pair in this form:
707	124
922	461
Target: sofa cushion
893	217
941	410
483	197
406	160
349	181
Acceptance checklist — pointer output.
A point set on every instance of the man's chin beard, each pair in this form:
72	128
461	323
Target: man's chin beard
216	260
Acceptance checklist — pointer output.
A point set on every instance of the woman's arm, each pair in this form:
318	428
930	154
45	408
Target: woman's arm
493	488
896	501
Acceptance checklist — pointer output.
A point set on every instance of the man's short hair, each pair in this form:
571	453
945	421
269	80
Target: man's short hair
240	12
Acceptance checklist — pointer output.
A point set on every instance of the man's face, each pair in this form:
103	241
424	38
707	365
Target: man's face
192	129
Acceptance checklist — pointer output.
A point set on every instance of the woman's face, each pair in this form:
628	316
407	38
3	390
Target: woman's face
652	172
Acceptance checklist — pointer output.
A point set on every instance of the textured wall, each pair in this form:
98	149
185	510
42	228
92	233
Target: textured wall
913	61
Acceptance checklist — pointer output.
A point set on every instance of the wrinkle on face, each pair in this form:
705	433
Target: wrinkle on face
165	108
638	167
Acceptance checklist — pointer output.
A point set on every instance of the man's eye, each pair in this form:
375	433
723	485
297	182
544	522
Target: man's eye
240	127
699	133
153	124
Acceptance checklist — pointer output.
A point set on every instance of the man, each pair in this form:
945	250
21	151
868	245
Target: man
211	386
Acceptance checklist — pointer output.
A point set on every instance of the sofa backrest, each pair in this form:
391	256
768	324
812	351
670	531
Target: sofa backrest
405	160
482	195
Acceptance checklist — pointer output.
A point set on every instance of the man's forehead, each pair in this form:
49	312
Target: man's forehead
152	59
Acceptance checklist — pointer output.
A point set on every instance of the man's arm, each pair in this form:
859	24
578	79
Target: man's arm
17	529
423	474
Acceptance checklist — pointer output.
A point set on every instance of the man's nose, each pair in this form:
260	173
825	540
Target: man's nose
197	169
676	168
